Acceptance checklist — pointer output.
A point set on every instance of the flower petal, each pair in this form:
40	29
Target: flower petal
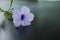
16	12
17	23
15	17
25	23
29	17
25	9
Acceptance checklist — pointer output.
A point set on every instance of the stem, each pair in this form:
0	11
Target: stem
10	4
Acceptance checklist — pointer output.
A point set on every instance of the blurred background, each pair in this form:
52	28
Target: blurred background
46	25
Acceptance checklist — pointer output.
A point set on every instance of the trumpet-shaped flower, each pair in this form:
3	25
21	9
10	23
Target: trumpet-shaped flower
23	17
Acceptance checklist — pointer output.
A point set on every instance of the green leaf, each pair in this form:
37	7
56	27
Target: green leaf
8	15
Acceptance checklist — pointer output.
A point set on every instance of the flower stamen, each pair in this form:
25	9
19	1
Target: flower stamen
22	17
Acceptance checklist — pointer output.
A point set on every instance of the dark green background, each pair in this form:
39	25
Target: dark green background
47	19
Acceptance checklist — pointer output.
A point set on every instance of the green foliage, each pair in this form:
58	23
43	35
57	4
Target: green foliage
8	15
10	5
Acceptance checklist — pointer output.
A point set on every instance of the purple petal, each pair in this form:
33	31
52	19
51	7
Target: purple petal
25	23
15	17
25	9
29	17
17	23
16	12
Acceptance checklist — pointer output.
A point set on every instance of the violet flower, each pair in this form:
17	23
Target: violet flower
23	17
